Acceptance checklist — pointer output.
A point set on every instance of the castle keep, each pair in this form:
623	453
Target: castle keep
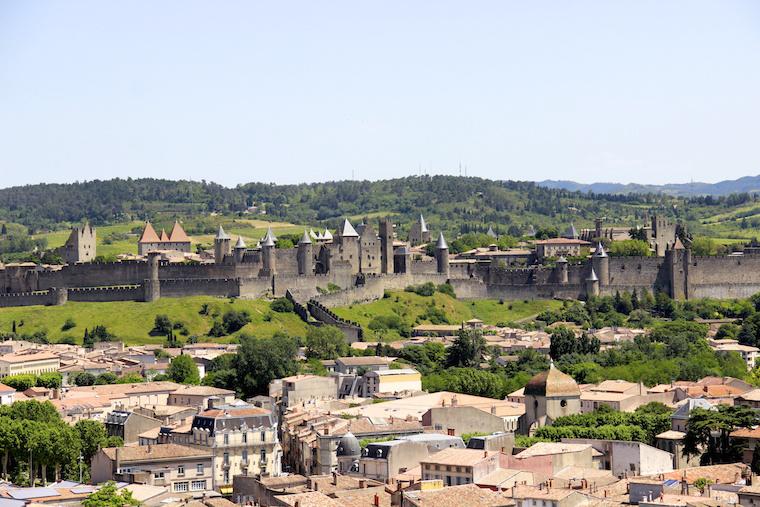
364	262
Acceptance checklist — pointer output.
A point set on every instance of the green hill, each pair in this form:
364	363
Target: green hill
412	309
133	321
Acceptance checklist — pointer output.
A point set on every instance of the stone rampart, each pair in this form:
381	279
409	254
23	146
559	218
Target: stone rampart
103	294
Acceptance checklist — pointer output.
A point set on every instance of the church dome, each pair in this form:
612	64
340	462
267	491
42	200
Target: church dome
348	445
552	383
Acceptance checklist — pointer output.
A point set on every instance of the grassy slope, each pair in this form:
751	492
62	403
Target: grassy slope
410	307
132	321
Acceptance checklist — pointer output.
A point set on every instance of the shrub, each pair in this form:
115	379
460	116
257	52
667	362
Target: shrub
162	326
426	289
446	288
282	305
68	324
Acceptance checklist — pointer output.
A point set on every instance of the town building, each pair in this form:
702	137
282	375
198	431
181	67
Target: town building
549	395
182	468
34	363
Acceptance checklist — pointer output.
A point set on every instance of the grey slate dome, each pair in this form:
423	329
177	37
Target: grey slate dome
348	445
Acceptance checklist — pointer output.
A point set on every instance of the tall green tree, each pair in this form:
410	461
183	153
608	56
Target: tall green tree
183	370
708	433
325	342
261	360
467	350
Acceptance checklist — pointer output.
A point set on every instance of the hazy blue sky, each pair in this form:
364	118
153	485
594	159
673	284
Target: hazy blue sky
310	91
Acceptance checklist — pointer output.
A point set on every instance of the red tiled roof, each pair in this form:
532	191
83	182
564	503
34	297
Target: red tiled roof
178	234
164	237
149	234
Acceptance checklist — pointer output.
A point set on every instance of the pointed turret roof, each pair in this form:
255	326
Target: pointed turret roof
164	236
441	245
531	230
600	250
491	232
268	241
571	232
678	245
258	246
348	231
312	235
220	234
305	239
592	277
240	243
327	236
149	234
269	234
320	236
178	234
423	225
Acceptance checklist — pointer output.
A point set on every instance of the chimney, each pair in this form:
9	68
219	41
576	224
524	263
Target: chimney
327	430
377	500
454	401
362	483
118	458
485	454
335	478
149	448
493	409
315	486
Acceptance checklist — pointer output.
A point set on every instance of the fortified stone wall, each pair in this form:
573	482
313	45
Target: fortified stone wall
221	287
102	294
724	277
43	297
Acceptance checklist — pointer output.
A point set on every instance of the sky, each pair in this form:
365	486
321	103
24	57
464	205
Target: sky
289	91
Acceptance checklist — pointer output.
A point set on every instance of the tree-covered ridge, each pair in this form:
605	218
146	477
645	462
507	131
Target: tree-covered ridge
463	204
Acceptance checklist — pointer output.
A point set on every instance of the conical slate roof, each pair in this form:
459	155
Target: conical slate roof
268	241
348	231
220	234
571	232
531	231
305	239
552	382
423	225
592	277
312	235
327	236
240	243
491	232
441	245
600	250
269	234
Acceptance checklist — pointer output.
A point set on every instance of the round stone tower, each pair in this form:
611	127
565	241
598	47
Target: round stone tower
240	249
305	255
442	255
592	284
222	245
268	254
600	261
562	270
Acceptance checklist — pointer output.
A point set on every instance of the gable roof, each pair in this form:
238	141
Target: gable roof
149	234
